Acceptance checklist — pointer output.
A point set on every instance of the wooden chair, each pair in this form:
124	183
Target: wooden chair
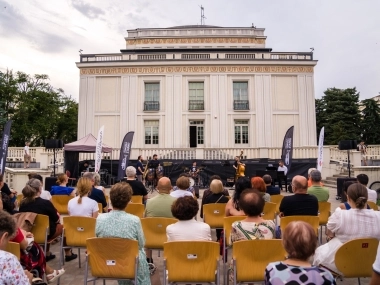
276	199
60	203
137	199
100	207
269	211
191	262
77	230
14	248
355	257
154	229
41	230
135	209
312	220
324	214
68	174
213	215
373	205
251	257
111	258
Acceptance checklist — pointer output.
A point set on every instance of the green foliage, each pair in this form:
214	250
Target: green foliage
371	121
38	110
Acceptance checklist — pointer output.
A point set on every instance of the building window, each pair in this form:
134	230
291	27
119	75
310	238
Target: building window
196	96
151	132
241	132
198	132
241	96
152	97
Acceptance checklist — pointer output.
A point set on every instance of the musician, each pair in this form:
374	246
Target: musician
139	168
194	172
239	168
154	164
282	167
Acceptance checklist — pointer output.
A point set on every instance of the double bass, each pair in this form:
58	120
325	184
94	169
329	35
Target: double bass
240	167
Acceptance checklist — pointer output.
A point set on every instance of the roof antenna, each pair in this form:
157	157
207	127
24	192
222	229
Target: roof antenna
202	15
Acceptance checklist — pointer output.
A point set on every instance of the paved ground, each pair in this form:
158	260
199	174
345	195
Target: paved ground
75	275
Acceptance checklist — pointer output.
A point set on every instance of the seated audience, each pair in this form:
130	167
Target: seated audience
232	207
6	201
189	189
81	205
309	178
182	184
187	228
96	194
11	271
161	205
322	193
372	194
44	194
109	225
344	226
299	241
271	190
259	185
346	205
300	203
97	183
375	280
138	187
33	203
61	188
208	191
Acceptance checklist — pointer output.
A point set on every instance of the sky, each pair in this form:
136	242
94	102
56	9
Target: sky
44	36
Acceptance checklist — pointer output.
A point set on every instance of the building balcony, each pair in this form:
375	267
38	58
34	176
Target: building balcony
197	105
241	104
151	105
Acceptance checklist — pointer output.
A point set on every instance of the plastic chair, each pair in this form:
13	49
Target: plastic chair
213	214
191	262
135	209
68	174
251	257
100	207
137	199
373	205
269	211
276	199
324	214
77	230
154	229
60	203
355	257
111	258
41	230
312	220
14	248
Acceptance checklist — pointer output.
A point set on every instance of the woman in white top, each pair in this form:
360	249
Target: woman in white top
343	226
82	205
187	228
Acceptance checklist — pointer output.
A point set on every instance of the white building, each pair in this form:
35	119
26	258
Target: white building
198	88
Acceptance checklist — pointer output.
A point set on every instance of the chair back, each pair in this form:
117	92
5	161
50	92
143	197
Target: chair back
78	230
135	209
324	212
355	257
40	229
312	220
191	261
269	211
14	248
373	205
227	226
112	257
154	229
213	214
137	199
251	257
276	199
60	203
100	207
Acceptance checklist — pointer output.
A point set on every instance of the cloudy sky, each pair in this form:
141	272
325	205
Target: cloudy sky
44	36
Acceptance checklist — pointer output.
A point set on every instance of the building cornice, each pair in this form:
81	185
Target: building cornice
217	39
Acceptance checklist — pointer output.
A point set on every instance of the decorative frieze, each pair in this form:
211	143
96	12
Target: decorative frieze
205	40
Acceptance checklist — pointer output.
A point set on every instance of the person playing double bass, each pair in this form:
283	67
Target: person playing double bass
239	167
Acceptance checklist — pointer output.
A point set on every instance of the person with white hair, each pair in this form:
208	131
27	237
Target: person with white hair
138	187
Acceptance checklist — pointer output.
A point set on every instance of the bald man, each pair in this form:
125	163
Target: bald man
301	203
160	206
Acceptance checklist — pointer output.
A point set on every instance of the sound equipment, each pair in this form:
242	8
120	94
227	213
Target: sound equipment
339	187
347	144
193	136
50	181
53	143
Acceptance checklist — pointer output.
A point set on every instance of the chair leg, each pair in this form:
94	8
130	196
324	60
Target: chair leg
86	271
235	275
165	277
79	257
359	280
104	281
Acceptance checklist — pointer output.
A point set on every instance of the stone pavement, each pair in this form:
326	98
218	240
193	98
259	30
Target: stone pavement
75	275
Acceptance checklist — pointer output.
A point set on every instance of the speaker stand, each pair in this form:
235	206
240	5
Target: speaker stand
349	163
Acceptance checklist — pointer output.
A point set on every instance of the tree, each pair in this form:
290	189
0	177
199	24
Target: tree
321	116
371	121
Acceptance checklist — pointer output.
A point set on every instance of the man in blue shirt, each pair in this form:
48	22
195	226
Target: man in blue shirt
271	190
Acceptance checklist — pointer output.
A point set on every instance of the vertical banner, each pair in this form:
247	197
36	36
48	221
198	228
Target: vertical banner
287	148
98	151
125	151
320	149
4	146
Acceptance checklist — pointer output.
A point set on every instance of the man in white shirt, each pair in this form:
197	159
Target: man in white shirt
26	155
372	194
282	167
182	184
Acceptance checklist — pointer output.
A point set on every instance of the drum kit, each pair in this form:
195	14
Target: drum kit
195	177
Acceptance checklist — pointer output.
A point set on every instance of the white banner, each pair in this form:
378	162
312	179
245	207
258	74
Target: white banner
98	152
320	149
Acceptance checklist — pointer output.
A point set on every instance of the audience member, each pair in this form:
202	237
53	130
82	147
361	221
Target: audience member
309	178
300	203
259	185
190	188
6	202
208	192
97	183
299	241
33	203
81	205
346	205
138	187
160	205
271	190
372	194
232	207
344	226
322	193
182	184
61	188
44	194
187	228
96	194
109	225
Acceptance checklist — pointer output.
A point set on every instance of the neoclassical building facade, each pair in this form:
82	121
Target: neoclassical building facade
198	87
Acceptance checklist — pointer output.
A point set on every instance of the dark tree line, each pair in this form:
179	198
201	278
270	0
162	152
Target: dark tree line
38	110
345	117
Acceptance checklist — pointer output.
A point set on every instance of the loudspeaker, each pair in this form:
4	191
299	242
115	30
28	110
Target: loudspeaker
347	144
50	181
52	143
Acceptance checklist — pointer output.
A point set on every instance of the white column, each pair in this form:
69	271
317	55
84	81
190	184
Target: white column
263	106
176	105
214	111
221	102
168	96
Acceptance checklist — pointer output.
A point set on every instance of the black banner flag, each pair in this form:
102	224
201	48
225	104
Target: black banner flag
287	148
125	151
4	146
